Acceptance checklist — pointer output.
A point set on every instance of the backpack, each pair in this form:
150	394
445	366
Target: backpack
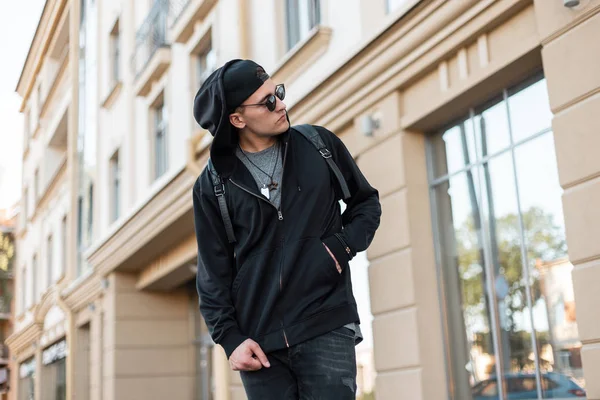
313	136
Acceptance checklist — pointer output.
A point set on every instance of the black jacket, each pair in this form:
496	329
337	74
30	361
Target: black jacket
277	284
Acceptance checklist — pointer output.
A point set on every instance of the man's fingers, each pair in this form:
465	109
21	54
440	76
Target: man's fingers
262	358
252	364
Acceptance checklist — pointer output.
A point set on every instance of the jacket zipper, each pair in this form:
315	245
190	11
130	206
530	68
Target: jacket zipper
279	213
343	242
280	217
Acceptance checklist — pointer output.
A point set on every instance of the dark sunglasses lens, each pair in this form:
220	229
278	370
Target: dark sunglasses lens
271	103
280	92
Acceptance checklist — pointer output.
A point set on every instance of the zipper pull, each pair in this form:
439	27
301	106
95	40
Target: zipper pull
280	215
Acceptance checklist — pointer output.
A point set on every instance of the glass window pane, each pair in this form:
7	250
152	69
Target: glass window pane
464	279
517	358
491	130
552	286
453	149
530	111
393	5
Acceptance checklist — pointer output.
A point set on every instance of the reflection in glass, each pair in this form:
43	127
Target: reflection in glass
491	128
554	308
472	355
515	330
506	277
453	150
529	111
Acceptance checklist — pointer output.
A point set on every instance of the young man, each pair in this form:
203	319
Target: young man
278	297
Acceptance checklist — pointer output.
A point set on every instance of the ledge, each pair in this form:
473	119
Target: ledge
156	67
182	27
23	338
302	54
159	225
113	95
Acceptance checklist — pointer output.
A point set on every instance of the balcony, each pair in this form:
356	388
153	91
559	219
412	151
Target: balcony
184	15
152	56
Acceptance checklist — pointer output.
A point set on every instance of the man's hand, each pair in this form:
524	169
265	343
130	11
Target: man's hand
248	357
337	264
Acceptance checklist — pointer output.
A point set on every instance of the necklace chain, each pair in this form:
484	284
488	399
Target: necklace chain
275	151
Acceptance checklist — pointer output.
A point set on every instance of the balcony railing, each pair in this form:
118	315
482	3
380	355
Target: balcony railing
151	36
176	8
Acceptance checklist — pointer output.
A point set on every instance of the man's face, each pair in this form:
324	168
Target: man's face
256	118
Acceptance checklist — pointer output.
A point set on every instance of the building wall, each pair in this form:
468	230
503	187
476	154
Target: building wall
414	70
148	351
573	85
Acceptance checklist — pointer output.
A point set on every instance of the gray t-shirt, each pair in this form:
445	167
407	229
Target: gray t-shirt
266	167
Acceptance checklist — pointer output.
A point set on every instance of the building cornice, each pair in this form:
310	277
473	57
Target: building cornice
18	341
49	21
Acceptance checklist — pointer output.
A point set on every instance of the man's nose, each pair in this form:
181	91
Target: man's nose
280	105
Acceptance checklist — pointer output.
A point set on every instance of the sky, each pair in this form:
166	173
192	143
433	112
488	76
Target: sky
18	21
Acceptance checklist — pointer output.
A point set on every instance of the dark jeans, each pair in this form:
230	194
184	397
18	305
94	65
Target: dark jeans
323	368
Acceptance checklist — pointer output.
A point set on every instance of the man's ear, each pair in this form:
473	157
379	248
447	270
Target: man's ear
237	120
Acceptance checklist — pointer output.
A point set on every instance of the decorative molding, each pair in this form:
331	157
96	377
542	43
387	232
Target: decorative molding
153	71
112	96
49	21
20	340
195	11
85	292
482	48
302	55
444	76
463	64
577	21
402	58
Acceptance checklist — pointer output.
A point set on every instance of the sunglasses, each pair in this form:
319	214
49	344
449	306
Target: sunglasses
271	101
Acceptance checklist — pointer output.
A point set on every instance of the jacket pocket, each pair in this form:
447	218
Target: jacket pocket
312	283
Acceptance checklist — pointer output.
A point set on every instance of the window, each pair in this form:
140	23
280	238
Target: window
115	191
24	287
500	239
206	63
34	277
115	54
49	255
63	234
90	213
26	130
36	185
25	205
160	138
393	5
27	380
302	17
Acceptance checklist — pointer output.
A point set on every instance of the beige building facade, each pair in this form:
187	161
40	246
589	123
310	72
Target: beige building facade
476	120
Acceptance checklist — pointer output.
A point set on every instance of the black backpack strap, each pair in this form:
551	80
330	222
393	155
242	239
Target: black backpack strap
310	133
219	188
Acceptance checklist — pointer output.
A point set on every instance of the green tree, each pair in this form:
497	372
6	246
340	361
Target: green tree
544	241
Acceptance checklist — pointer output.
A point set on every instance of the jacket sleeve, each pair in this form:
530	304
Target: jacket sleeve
215	268
363	211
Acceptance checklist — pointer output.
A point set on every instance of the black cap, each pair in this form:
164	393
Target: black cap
240	80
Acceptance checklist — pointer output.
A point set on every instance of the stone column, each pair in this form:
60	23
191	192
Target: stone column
571	58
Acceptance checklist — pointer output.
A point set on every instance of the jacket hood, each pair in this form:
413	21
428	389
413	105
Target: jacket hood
211	113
